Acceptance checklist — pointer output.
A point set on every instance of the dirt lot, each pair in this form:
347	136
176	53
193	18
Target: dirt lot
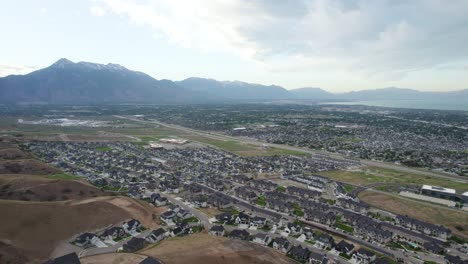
13	152
144	212
210	211
37	188
206	249
34	228
419	210
114	258
28	166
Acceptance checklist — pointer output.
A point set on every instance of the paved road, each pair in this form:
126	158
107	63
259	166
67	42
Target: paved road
219	136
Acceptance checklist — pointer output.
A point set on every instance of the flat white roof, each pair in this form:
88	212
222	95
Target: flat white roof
465	194
439	189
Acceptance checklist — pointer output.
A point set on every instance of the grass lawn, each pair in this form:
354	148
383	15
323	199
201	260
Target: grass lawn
344	227
297	210
192	219
261	200
103	149
64	176
281	189
457	221
348	188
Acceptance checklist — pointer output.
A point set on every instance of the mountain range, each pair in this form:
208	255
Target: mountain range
66	82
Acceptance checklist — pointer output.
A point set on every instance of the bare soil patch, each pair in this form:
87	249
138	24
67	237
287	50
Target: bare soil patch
12	153
35	228
10	254
113	258
28	166
210	211
206	249
36	188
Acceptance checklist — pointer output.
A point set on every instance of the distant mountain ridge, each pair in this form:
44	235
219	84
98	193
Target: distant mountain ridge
67	82
234	90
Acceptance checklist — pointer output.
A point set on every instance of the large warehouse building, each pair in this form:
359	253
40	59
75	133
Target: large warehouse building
440	192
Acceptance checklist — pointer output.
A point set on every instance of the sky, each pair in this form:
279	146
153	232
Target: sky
338	45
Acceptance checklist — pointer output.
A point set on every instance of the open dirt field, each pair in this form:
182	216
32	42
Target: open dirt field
210	211
37	188
11	153
27	166
114	258
34	228
457	221
206	249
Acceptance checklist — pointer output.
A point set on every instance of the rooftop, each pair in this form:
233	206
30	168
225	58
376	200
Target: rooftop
438	189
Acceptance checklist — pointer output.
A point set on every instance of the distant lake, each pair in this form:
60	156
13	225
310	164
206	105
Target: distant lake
416	104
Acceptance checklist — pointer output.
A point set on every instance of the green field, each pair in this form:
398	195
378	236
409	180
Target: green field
344	227
261	201
103	149
64	176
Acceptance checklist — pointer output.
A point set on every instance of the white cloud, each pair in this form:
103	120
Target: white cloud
388	38
6	70
97	11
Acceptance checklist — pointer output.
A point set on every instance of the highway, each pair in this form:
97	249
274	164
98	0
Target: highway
219	136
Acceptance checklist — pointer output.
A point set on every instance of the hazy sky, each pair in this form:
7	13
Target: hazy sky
339	45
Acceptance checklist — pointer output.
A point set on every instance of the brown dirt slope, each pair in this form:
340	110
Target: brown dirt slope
11	153
145	213
28	166
37	188
34	228
206	249
114	258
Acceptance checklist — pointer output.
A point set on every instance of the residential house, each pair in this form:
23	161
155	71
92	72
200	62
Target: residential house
258	222
281	243
71	258
88	240
242	219
317	258
184	214
134	244
225	217
150	260
156	235
113	233
363	256
132	227
433	247
161	201
299	253
293	229
344	247
239	234
324	241
262	239
450	259
168	217
217	230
